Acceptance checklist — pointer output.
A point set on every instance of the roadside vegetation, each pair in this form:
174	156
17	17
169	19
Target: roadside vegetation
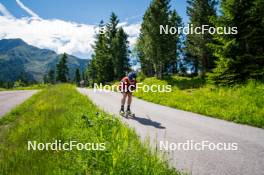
241	103
26	87
60	113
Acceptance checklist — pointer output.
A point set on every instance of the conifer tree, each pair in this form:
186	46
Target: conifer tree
240	56
121	59
77	76
174	43
102	61
62	69
51	77
111	31
111	54
198	54
91	71
156	51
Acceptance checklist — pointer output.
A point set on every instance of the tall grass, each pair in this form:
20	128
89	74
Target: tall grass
242	104
61	113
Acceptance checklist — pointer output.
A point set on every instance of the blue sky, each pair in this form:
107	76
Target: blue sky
89	11
70	25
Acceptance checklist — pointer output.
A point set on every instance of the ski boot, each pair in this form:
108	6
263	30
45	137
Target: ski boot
122	113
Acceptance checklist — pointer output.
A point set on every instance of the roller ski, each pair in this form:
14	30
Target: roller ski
126	114
122	113
129	114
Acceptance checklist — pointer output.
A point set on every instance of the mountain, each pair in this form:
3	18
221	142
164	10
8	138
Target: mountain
19	59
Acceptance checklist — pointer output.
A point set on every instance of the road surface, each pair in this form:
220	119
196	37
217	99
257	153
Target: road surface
163	124
10	99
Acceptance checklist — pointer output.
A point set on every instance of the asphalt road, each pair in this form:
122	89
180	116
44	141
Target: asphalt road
10	99
163	124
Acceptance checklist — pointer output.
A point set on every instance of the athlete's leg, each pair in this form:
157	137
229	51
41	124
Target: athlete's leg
129	100
123	100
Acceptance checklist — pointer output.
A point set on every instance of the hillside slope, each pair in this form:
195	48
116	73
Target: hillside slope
18	59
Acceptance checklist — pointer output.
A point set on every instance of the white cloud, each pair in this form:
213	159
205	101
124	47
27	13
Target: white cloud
28	10
4	11
133	31
58	35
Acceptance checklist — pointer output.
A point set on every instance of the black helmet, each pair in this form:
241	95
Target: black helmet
132	75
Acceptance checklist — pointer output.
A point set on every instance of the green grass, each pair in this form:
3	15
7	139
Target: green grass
61	113
241	104
32	87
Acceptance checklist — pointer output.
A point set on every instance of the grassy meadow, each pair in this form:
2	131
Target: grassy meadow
241	104
61	113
